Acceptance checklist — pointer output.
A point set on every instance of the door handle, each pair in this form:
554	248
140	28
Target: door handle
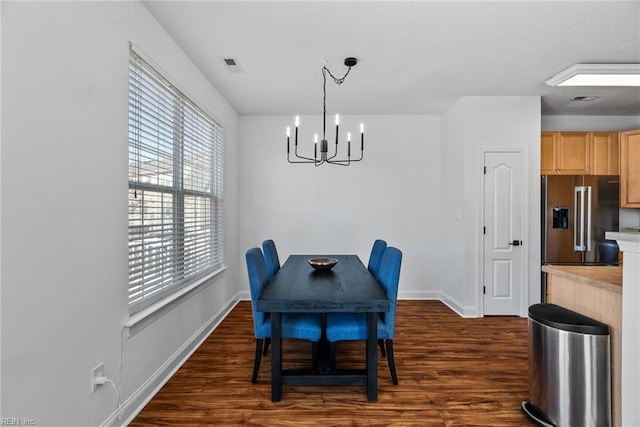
515	243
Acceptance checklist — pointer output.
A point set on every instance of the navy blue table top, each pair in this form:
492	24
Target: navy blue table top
347	287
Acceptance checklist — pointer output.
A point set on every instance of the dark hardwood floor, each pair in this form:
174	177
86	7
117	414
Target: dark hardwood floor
452	372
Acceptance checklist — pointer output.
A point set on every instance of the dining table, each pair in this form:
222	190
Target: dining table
299	288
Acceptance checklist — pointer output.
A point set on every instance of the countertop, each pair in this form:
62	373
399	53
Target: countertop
625	236
608	277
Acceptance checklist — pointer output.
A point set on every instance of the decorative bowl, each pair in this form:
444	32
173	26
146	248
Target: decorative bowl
322	264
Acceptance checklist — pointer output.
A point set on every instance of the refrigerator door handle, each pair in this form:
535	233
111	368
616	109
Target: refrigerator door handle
588	206
578	222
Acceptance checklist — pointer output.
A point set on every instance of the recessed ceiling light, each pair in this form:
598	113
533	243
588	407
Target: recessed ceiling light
598	75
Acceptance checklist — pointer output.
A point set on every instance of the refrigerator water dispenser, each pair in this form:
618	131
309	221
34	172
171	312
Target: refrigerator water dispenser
561	217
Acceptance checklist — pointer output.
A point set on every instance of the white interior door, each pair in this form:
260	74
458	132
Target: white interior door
503	240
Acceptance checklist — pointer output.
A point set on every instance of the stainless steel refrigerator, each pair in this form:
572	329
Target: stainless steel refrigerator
577	210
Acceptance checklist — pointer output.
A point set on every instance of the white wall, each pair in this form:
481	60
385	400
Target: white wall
394	194
471	125
64	211
418	188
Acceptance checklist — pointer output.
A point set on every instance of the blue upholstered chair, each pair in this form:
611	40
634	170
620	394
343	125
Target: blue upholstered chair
376	256
271	257
296	326
353	326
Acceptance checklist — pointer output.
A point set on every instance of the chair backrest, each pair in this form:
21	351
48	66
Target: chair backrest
258	279
376	256
271	257
389	276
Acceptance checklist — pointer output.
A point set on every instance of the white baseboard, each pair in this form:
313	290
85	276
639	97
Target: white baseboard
455	305
417	295
452	303
137	401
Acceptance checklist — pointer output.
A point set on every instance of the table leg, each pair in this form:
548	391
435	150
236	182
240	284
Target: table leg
276	357
326	358
372	357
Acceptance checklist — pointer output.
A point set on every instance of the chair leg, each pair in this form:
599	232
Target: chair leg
382	350
391	360
267	341
256	362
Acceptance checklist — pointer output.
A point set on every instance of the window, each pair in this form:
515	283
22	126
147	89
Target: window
175	188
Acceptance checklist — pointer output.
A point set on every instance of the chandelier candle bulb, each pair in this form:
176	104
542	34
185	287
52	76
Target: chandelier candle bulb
315	146
288	135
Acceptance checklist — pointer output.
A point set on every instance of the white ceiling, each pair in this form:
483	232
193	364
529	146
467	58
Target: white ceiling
415	57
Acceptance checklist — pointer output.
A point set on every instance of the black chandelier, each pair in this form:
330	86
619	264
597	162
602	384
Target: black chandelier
325	157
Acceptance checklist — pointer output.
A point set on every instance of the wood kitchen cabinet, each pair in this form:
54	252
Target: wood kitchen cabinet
630	169
547	153
565	153
604	153
595	292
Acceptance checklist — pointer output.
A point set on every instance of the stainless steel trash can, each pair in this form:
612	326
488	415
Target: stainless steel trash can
569	369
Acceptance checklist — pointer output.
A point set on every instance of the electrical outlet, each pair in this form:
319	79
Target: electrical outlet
98	371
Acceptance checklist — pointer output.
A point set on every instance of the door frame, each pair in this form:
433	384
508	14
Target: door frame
524	226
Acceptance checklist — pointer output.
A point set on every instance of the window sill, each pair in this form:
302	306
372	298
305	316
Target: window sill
145	317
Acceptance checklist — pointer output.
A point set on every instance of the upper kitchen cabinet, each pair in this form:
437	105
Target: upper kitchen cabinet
565	153
604	153
547	153
630	169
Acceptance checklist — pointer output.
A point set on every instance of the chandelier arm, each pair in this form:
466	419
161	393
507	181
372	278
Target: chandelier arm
345	161
307	159
339	162
314	159
361	157
336	152
301	161
348	160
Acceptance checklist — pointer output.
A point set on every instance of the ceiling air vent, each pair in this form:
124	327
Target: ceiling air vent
232	65
584	98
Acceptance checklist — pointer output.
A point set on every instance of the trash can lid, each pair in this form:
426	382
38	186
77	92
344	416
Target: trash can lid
566	320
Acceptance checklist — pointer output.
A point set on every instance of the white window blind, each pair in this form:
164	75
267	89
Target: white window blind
175	188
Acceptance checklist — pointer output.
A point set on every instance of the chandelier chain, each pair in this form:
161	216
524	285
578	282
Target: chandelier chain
337	81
